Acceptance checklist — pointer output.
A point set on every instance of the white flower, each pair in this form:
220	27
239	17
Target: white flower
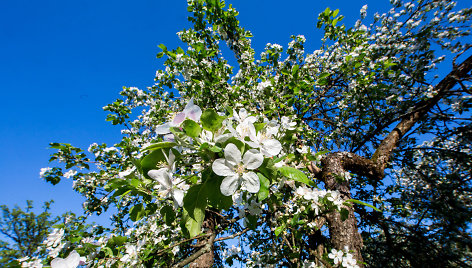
70	174
243	116
263	85
110	149
213	138
263	140
243	130
349	261
43	171
54	238
26	262
125	173
175	250
168	184
336	255
190	111
231	251
246	123
287	124
235	172
23	259
72	261
303	150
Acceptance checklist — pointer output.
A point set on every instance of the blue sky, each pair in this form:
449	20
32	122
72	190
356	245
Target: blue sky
62	61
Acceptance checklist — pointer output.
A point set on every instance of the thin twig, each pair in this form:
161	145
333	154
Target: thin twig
232	236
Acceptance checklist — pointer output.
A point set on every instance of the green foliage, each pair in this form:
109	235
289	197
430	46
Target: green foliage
295	174
211	121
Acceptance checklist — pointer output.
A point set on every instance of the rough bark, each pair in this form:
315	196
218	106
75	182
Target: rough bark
206	259
343	233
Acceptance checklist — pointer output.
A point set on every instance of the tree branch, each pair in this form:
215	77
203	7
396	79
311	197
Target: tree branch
383	152
197	254
232	236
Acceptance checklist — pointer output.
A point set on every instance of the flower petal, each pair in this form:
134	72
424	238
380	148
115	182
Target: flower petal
236	116
243	114
59	263
251	119
251	182
222	138
73	259
179	118
230	184
162	176
232	154
221	169
192	111
169	137
271	147
178	196
253	159
163	129
171	158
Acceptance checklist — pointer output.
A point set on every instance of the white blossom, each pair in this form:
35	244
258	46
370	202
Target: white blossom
234	168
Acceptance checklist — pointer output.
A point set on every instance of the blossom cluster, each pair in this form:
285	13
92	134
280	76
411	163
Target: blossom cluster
343	258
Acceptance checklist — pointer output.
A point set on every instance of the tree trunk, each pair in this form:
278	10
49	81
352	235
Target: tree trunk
342	233
206	260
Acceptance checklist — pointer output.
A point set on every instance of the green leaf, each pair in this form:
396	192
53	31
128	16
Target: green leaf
363	203
192	226
212	186
335	13
169	215
118	240
323	75
160	145
163	47
195	202
215	149
295	174
295	219
211	121
321	153
322	81
135	182
268	169
136	212
191	128
295	69
327	11
279	230
259	126
344	214
151	160
264	190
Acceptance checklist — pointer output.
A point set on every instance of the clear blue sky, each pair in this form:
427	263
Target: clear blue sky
62	61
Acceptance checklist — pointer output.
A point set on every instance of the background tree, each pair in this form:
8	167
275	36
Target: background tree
25	231
301	142
30	238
